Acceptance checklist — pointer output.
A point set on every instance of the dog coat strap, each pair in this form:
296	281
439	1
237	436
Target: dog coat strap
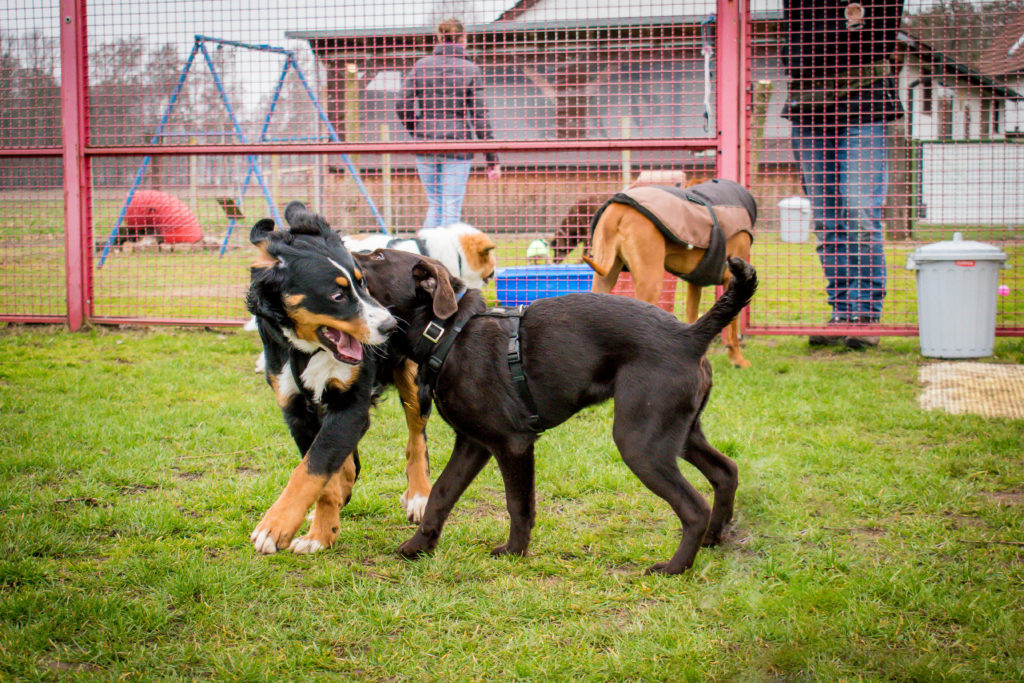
711	268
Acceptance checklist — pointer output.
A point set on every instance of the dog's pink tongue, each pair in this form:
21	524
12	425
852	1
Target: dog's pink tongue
349	347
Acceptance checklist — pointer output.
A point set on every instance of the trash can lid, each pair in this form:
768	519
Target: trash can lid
795	202
958	249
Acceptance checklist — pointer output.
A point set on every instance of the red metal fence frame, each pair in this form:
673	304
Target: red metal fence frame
730	142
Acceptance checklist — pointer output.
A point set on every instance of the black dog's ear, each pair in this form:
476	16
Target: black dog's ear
302	221
263	299
261	230
294	212
433	278
261	235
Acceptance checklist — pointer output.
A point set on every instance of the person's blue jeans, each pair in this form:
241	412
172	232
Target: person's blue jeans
845	175
444	178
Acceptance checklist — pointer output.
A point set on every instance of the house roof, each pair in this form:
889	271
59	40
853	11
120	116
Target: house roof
358	18
1005	56
954	66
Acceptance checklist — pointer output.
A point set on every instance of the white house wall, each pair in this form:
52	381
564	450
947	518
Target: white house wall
973	183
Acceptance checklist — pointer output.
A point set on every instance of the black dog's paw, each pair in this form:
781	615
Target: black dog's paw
414	548
713	538
506	550
664	568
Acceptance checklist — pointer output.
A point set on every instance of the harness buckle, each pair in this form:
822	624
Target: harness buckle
513	350
433	332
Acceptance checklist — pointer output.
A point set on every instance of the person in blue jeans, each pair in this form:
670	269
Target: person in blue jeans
842	94
442	99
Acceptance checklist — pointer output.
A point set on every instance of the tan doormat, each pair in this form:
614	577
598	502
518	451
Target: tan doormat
986	389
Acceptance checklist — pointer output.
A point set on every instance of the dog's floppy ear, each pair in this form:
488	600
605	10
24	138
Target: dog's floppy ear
433	278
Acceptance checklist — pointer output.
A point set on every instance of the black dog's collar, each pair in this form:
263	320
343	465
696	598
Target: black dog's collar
435	342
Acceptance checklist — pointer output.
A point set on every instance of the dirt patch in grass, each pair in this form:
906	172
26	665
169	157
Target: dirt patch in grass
986	389
57	665
132	489
965	521
1005	497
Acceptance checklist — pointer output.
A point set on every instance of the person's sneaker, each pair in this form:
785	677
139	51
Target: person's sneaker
829	337
861	341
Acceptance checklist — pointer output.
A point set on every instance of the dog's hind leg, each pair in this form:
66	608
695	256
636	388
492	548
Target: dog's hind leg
692	302
323	530
518	473
643	250
650	450
417	464
467	459
722	472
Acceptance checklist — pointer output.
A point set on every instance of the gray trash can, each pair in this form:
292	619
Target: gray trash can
957	283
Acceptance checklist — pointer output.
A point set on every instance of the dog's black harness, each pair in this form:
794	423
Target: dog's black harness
438	341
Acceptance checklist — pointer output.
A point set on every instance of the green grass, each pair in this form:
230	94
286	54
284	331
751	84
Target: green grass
873	540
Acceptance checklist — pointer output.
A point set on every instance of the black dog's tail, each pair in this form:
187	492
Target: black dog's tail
737	295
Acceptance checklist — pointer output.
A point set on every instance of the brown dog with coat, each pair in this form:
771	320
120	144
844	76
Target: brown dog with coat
652	229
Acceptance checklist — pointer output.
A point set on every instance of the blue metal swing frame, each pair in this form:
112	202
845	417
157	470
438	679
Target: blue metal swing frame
199	47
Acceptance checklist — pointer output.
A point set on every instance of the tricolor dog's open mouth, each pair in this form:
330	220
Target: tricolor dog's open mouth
345	347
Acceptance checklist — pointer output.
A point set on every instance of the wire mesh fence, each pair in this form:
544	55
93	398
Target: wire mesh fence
863	130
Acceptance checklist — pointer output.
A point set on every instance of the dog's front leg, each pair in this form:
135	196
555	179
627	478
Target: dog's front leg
323	530
417	466
468	458
517	471
332	447
282	520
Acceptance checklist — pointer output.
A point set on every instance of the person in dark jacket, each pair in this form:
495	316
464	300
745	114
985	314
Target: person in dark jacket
842	94
442	99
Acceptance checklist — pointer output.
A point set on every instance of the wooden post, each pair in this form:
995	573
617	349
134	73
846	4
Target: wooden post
385	136
352	110
350	213
897	205
275	177
762	95
627	170
193	181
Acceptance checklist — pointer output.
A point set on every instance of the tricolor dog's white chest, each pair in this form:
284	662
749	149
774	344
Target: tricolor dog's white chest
321	370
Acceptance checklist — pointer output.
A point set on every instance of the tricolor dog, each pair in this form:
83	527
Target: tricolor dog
500	378
466	252
325	343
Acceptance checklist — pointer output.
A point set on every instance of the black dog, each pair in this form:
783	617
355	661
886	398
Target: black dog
500	381
314	315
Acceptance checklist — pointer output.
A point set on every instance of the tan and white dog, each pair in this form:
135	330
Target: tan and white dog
466	252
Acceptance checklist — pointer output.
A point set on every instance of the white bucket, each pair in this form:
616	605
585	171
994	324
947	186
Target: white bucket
794	219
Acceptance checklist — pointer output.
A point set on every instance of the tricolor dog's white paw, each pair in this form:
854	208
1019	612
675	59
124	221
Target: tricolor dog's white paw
263	541
414	507
306	546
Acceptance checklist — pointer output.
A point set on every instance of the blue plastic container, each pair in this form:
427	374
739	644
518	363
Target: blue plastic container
525	284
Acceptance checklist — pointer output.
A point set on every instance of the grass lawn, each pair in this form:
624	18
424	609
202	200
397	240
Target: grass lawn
873	540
